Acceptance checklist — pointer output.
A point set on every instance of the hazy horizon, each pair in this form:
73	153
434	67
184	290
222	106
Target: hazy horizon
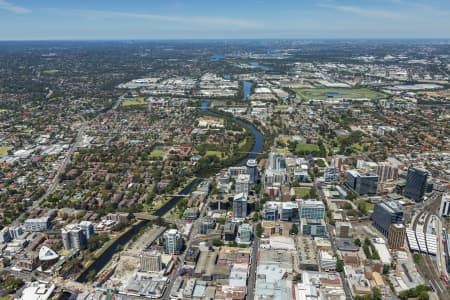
24	20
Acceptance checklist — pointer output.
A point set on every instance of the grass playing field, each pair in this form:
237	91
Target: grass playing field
4	150
301	192
157	153
307	148
214	153
346	93
134	102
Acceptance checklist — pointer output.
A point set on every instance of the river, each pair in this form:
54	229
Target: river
103	260
247	89
258	136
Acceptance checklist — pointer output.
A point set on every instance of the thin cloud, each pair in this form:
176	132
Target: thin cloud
168	18
5	5
361	11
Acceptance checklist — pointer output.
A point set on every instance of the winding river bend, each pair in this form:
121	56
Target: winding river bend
106	256
257	135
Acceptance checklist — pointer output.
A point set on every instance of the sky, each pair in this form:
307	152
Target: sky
222	19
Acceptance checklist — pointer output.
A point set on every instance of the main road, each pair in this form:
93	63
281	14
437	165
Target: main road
252	270
61	169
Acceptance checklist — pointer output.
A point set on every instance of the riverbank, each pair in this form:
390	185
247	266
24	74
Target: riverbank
103	259
258	137
106	255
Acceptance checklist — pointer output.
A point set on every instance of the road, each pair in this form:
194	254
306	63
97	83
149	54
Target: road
321	196
194	229
347	290
251	281
54	183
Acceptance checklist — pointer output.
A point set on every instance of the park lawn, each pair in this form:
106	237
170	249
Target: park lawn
242	143
369	206
4	150
218	154
301	192
349	93
283	151
284	139
134	102
156	153
310	148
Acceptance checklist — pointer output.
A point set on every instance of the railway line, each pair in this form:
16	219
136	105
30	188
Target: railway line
429	269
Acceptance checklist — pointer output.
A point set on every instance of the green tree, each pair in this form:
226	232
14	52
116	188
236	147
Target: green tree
376	294
417	258
259	230
340	265
10	284
217	243
91	275
294	229
423	295
298	277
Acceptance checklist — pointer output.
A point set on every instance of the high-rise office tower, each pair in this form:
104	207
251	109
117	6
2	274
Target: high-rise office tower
416	183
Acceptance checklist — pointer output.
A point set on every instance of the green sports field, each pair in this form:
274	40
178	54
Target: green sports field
156	153
347	93
134	102
4	150
307	148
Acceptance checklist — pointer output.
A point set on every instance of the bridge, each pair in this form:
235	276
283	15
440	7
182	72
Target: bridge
147	217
